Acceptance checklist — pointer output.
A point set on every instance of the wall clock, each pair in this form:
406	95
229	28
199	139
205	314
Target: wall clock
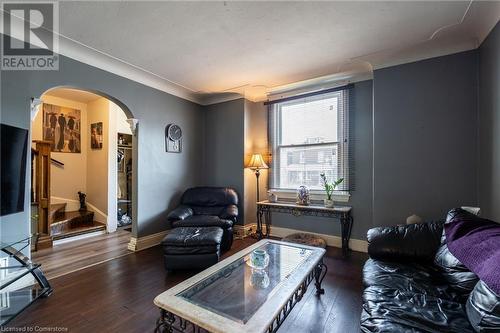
173	138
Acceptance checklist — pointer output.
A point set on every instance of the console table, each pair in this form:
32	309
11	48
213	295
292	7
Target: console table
343	213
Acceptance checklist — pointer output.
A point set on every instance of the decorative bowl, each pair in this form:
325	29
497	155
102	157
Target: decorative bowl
259	259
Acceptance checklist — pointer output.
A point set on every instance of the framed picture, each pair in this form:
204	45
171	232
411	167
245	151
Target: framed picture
96	135
62	127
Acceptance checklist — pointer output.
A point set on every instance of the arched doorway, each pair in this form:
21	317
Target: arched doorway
86	144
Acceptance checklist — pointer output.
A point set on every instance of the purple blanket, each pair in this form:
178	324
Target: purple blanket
476	243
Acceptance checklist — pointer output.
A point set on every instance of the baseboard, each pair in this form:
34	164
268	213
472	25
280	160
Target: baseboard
141	243
79	237
335	241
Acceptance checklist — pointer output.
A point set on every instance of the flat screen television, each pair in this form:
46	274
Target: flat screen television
13	152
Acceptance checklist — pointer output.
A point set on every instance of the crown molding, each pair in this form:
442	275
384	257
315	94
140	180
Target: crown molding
362	69
98	59
420	52
86	54
361	72
214	98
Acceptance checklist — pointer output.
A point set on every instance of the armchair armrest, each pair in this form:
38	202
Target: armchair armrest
229	213
414	242
180	213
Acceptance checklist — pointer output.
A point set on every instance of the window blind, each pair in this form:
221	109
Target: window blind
310	134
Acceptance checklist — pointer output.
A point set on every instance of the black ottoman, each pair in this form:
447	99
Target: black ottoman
192	247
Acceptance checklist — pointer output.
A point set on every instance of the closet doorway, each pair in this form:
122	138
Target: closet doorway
124	181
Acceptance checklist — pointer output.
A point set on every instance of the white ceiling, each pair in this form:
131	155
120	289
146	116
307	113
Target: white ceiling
195	49
73	95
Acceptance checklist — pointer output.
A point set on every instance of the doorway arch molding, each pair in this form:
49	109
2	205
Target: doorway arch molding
135	145
122	105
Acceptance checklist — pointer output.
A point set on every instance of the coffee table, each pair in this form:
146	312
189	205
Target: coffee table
231	296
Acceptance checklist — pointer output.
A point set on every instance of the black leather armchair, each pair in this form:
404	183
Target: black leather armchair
208	207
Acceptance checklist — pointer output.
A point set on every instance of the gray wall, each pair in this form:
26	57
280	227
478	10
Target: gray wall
361	196
224	147
233	131
415	145
161	176
425	138
489	125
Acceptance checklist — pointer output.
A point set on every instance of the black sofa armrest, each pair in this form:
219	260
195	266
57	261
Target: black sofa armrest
229	213
180	213
414	242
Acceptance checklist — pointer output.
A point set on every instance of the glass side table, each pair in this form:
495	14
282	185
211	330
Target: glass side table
14	265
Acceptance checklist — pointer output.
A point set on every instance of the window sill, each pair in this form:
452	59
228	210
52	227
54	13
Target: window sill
339	196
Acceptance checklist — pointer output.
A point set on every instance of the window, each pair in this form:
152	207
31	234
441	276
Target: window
309	135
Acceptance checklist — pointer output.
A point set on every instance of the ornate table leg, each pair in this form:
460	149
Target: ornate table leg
346	226
296	297
258	233
165	322
267	217
319	275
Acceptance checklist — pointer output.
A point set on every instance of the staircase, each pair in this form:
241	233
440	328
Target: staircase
52	221
69	224
56	211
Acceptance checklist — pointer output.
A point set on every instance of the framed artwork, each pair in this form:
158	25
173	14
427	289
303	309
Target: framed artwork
62	127
96	135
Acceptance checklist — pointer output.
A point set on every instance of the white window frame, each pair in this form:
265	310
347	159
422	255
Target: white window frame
342	150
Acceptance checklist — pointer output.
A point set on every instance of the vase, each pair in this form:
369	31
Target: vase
303	197
328	203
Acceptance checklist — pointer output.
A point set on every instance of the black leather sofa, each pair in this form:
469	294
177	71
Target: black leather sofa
413	283
208	207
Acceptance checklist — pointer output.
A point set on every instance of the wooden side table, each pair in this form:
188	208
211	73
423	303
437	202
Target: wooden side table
342	213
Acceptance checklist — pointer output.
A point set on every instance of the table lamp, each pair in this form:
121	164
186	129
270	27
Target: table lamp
257	163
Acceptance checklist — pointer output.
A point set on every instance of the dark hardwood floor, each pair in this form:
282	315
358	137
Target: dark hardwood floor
80	254
117	296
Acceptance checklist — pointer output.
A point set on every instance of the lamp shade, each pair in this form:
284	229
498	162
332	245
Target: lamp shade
257	162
